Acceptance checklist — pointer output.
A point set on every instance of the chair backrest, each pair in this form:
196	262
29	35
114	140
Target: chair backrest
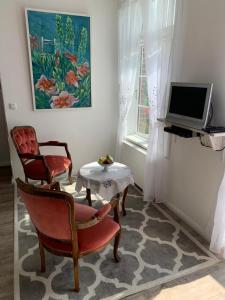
25	140
51	212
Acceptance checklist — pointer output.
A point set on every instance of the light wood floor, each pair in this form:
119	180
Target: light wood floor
6	234
203	285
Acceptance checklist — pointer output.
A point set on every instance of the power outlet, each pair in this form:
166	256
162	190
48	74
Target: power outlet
13	106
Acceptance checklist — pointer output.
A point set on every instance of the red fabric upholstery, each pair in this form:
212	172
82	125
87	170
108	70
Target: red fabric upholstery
50	216
54	215
56	165
89	240
97	236
25	140
103	211
50	213
84	212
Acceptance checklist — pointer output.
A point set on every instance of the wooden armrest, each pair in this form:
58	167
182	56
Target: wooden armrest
52	143
103	212
100	215
56	143
31	156
36	157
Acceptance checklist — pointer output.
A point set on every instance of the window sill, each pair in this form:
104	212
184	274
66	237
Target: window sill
137	142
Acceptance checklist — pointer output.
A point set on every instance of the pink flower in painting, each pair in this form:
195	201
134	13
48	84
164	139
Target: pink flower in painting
57	54
46	85
83	69
33	42
72	78
63	100
71	57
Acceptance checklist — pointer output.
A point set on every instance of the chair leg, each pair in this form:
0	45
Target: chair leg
49	180
116	246
42	255
69	174
76	275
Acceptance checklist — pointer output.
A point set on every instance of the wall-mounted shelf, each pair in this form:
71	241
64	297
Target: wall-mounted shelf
216	141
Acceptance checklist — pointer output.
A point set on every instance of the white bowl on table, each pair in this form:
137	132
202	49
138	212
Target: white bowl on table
105	166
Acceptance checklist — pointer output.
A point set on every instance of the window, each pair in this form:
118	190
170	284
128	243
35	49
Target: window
143	101
138	118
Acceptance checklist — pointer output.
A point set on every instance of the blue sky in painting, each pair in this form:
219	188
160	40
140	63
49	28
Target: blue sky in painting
43	24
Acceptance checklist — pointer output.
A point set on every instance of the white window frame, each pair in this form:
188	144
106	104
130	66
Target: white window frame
138	138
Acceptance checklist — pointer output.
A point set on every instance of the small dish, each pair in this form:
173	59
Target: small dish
105	166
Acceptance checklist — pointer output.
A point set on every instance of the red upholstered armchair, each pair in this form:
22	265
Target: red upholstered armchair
81	230
35	165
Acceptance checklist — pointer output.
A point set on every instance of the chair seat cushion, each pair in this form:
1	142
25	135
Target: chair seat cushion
96	237
89	239
57	164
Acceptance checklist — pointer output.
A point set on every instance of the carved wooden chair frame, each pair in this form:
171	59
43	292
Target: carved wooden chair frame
54	192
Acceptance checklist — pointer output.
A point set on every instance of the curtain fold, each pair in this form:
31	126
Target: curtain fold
217	244
159	20
130	26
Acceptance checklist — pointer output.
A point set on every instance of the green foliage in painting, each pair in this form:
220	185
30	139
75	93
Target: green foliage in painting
83	44
59	28
69	40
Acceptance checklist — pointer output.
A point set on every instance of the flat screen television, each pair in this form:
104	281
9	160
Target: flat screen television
189	104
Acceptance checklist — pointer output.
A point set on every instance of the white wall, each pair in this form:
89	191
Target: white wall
195	171
134	157
89	132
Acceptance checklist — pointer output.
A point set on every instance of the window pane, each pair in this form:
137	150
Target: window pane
143	67
143	120
138	117
143	92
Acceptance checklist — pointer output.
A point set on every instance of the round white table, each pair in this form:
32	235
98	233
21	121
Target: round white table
107	184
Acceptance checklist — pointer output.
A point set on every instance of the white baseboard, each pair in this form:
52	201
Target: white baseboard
5	164
187	219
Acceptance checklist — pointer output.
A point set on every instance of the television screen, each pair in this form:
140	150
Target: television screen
189	104
188	101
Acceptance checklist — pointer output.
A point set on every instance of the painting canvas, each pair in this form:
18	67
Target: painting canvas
60	59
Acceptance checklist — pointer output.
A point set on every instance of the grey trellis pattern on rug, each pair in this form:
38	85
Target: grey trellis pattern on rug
153	249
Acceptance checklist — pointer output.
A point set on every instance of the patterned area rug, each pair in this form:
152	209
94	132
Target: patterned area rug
154	249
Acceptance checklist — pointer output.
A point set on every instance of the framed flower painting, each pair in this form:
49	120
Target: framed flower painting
60	59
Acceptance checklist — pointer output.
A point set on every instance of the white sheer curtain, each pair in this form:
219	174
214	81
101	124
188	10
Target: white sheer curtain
158	24
130	25
217	244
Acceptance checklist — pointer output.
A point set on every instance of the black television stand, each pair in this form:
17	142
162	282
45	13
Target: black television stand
182	132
